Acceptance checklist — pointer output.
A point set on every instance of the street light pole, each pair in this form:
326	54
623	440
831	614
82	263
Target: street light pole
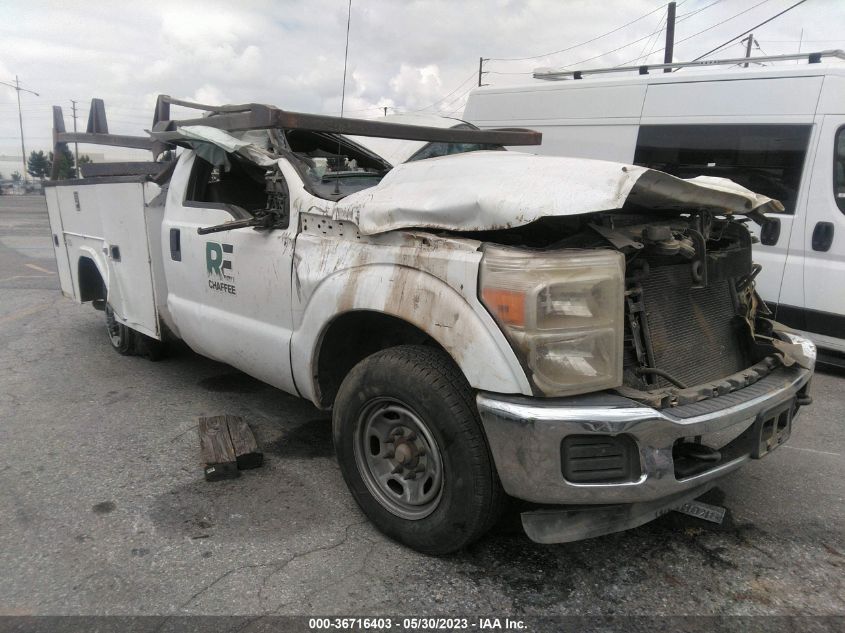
18	89
75	145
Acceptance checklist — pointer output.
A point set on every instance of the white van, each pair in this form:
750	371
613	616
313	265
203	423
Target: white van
779	131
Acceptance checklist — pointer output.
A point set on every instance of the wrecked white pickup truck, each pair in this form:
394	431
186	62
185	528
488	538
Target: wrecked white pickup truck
578	334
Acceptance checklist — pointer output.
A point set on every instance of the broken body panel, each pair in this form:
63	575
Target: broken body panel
292	262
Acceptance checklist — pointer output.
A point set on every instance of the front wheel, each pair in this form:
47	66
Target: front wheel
413	452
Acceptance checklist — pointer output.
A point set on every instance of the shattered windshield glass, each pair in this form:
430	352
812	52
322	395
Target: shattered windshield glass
333	165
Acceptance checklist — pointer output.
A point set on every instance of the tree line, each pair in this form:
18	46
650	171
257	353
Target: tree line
39	165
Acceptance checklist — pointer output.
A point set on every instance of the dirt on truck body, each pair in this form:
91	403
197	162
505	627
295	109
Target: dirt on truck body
582	335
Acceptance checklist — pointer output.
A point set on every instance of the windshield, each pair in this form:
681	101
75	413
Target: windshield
433	150
397	151
333	165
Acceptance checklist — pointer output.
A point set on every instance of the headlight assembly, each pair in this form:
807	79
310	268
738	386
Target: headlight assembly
562	310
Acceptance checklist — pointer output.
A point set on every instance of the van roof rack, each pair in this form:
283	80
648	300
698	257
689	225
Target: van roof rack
812	58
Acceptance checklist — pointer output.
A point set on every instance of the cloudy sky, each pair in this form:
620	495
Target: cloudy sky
406	55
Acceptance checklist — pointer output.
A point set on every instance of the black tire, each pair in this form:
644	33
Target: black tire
148	347
122	338
428	400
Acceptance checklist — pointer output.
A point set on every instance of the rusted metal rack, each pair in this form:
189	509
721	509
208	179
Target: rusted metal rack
163	133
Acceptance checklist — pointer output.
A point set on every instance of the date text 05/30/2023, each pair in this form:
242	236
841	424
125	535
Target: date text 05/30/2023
416	624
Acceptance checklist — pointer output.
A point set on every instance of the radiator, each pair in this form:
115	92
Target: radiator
693	333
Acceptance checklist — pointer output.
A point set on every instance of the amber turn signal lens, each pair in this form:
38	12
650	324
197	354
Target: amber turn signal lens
507	305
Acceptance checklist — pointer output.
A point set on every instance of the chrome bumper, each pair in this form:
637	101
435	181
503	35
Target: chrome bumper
526	434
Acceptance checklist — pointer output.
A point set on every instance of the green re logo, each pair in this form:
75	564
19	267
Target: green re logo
214	261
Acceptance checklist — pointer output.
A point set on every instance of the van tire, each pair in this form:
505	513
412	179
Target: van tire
121	337
411	408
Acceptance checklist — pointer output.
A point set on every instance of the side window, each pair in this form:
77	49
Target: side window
243	185
768	159
839	169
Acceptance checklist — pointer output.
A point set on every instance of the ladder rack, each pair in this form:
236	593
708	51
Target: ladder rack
557	75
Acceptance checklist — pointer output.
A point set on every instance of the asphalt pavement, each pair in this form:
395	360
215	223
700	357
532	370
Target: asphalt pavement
104	509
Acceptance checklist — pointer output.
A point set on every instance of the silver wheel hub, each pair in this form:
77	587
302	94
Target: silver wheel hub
112	326
398	459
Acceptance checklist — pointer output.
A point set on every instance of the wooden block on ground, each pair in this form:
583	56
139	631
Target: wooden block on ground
227	445
216	448
246	448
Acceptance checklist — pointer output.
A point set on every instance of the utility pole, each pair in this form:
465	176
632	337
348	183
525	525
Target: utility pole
75	144
481	72
750	40
669	50
18	89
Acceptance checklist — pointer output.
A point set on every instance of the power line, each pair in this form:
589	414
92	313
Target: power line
689	14
796	41
656	34
460	85
569	48
777	15
710	28
619	48
459	101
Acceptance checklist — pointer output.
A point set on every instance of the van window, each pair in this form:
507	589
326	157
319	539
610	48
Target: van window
768	159
839	169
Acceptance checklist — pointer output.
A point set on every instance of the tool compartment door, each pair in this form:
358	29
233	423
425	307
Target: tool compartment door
127	250
57	237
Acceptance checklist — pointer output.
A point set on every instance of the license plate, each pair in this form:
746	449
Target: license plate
772	429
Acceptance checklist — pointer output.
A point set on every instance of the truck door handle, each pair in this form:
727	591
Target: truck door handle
770	232
175	245
822	236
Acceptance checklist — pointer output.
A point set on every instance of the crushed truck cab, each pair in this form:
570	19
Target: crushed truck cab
582	335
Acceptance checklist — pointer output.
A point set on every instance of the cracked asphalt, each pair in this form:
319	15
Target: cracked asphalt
104	509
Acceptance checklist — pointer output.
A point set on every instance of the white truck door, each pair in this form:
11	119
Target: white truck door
824	239
229	293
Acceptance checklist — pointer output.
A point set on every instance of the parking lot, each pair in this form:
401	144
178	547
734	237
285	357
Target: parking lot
104	509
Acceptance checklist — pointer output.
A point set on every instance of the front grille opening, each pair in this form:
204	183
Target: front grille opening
598	459
692	333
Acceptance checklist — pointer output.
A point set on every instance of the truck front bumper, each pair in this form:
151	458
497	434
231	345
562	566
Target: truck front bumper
526	437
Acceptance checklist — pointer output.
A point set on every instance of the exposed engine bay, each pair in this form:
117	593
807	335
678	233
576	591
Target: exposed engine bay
694	326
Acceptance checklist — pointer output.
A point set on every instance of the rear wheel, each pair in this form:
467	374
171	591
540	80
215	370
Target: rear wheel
122	338
128	342
413	452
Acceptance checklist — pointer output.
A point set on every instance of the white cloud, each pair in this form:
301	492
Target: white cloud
405	55
418	86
